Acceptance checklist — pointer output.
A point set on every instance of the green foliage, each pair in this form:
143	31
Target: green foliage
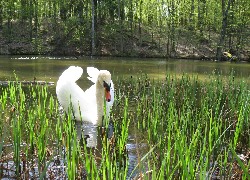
160	19
182	127
191	124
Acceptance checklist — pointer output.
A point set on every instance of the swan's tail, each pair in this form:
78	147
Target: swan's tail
73	73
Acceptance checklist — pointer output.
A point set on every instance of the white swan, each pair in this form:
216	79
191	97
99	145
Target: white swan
86	105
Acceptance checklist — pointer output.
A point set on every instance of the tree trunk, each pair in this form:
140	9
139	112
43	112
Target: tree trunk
191	16
120	25
201	15
231	30
93	52
1	16
31	18
172	28
140	21
24	10
223	29
131	22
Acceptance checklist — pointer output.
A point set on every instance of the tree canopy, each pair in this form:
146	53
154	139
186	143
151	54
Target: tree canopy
159	22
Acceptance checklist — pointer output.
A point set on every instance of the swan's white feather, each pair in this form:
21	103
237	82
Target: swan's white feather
93	74
72	74
82	104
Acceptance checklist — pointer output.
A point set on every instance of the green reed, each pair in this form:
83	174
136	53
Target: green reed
192	122
16	116
71	148
24	108
191	129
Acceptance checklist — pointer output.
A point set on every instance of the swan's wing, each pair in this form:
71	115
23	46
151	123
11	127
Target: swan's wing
72	97
66	89
69	93
93	74
72	74
90	92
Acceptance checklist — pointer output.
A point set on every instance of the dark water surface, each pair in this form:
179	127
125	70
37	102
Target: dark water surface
50	68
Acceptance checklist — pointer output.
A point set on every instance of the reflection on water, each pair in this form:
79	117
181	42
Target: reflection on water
50	68
88	132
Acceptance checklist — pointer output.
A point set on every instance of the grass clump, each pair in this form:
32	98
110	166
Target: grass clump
191	125
181	127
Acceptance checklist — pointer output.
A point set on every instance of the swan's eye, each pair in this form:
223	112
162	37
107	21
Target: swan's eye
107	87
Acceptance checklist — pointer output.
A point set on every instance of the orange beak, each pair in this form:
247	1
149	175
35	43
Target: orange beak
108	96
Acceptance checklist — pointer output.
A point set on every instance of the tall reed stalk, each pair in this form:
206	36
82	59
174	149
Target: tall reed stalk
181	127
193	122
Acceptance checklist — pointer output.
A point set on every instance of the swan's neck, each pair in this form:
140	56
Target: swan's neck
99	102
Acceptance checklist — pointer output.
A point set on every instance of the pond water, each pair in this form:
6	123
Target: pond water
50	68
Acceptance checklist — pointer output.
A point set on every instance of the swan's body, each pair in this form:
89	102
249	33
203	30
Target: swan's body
86	105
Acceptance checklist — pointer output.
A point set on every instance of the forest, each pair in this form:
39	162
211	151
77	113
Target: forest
192	29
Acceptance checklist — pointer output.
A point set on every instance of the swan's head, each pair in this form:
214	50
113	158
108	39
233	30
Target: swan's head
104	79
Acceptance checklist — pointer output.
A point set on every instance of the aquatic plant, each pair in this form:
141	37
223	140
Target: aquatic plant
193	123
180	128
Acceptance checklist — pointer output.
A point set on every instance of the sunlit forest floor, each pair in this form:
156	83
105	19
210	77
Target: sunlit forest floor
55	38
